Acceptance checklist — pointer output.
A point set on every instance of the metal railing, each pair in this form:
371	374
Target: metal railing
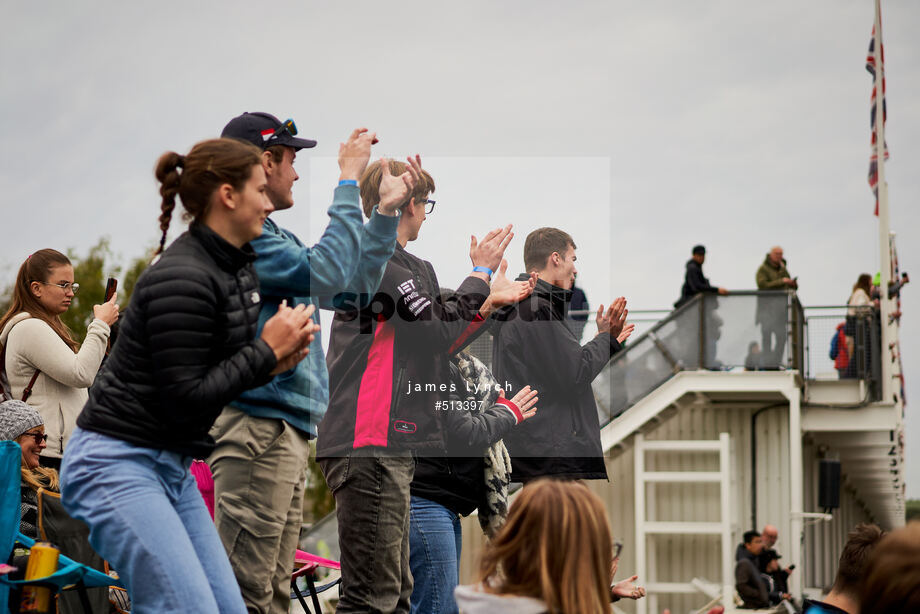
745	330
843	343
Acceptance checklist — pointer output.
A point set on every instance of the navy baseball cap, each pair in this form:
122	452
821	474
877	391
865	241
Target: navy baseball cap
264	130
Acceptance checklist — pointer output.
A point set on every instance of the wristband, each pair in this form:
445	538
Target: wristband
348	182
483	269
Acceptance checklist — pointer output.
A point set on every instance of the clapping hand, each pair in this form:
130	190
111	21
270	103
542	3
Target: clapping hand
614	320
526	400
395	190
503	291
289	333
355	153
489	252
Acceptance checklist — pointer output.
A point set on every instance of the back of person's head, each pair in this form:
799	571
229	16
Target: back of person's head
864	282
38	268
540	245
207	166
373	174
851	570
891	583
555	546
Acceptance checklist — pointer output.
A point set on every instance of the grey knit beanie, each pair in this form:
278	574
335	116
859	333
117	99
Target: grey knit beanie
16	418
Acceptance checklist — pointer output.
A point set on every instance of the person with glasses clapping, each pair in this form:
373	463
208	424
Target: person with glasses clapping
42	361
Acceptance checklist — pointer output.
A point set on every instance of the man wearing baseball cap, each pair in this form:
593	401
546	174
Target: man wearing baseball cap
259	464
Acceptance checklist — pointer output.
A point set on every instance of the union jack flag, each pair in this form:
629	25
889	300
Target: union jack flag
878	74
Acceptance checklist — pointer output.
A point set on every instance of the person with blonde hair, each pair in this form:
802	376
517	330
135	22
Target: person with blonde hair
43	363
23	424
553	555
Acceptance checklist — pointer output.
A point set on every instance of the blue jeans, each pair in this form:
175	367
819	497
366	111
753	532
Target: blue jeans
435	539
148	520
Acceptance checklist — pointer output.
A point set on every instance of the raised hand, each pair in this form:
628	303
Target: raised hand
355	153
395	190
614	319
489	252
107	311
526	400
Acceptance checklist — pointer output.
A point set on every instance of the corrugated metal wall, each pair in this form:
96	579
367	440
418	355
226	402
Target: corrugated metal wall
681	558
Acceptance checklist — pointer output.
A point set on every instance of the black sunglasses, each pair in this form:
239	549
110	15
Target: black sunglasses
39	437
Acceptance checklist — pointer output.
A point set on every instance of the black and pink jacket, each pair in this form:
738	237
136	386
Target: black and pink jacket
388	362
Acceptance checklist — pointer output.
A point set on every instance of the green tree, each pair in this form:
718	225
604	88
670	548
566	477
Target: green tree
913	510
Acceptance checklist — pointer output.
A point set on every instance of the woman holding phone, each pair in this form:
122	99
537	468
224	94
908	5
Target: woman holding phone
187	346
44	364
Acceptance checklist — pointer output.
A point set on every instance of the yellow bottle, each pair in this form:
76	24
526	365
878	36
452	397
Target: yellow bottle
43	559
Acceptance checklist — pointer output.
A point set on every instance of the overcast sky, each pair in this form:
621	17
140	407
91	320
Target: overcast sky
640	128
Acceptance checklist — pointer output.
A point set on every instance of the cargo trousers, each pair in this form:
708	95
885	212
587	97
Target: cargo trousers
259	468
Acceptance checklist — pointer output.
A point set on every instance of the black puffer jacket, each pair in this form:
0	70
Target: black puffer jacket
187	347
533	346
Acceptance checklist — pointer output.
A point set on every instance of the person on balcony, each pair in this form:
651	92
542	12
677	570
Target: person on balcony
694	280
773	275
695	283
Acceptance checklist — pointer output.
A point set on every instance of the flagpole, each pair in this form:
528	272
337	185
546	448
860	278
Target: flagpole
884	230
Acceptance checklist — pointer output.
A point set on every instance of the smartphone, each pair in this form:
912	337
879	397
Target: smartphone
791	567
110	287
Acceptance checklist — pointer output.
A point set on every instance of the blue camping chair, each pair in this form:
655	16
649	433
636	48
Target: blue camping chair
69	574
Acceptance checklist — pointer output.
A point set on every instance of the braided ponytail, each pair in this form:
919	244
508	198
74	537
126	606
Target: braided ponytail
208	165
167	174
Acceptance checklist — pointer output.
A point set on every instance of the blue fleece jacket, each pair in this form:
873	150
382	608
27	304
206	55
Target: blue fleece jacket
350	257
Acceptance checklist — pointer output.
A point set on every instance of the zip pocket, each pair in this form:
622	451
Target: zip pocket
394	403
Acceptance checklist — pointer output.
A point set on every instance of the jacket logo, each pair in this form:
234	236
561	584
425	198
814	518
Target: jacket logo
401	426
255	297
407	286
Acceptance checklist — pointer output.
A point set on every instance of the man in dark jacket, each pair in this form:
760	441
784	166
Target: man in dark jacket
694	280
748	582
771	311
533	346
388	367
695	283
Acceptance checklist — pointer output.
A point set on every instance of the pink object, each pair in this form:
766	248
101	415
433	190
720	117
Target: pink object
716	610
202	473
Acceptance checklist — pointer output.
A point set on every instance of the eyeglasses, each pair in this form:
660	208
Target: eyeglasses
39	437
429	205
617	547
64	285
287	125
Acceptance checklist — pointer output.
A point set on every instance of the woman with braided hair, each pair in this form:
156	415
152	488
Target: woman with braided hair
187	346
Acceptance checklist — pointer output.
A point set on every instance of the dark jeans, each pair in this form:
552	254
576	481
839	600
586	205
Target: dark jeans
371	493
